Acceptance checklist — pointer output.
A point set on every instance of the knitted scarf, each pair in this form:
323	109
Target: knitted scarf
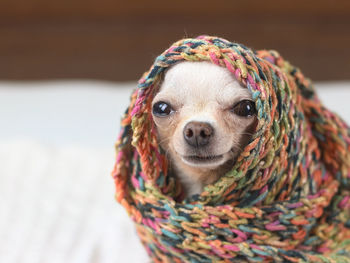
287	197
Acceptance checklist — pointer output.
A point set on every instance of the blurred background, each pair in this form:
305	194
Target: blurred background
116	40
67	69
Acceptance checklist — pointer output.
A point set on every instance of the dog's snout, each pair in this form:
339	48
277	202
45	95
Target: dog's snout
198	133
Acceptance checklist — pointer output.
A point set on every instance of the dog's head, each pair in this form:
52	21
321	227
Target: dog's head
204	117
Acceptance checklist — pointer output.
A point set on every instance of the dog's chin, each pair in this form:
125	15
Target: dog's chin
205	161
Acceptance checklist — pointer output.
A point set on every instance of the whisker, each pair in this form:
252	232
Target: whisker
164	140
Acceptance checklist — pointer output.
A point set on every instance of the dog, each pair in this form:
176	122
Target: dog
204	118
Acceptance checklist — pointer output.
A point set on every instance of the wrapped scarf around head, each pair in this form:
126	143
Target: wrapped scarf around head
286	199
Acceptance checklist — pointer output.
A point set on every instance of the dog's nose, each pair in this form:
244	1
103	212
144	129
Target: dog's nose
198	133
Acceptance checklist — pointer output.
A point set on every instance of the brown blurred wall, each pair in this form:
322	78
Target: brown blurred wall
118	40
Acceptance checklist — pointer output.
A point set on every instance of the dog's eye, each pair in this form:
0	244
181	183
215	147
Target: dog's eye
162	109
244	108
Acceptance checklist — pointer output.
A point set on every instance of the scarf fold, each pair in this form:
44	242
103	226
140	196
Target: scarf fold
287	197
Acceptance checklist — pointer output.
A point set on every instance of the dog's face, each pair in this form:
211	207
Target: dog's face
204	118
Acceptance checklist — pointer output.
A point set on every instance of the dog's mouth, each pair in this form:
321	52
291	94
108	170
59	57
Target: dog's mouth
197	160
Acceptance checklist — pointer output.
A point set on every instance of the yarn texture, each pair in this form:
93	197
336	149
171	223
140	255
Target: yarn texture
287	197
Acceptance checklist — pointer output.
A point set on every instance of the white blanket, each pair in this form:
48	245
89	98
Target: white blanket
57	205
56	154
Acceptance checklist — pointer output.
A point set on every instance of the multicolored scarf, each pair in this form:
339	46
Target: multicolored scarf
287	197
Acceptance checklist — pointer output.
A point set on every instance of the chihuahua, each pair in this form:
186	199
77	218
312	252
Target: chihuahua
204	118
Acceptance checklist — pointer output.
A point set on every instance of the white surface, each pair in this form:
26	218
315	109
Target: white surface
56	193
63	113
56	154
57	205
